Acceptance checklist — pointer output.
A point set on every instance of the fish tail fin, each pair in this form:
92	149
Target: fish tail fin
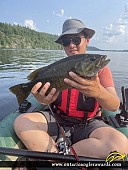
20	91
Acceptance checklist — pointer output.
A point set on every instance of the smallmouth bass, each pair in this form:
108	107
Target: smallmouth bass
84	65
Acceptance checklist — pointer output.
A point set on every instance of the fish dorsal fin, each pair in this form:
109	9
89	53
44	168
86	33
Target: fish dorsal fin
35	73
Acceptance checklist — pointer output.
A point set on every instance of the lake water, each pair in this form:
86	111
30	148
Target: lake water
15	65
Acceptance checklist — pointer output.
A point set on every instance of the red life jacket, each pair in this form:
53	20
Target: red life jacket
73	103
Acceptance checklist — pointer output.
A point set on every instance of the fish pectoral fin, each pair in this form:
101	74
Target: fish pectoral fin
78	69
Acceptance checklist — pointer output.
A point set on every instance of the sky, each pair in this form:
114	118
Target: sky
109	18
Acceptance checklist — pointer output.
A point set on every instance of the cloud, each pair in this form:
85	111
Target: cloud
60	14
121	29
115	34
113	30
30	24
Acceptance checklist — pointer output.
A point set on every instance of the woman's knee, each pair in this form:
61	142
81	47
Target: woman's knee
120	143
19	121
28	121
112	139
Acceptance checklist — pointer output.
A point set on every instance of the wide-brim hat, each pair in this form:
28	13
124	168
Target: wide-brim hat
75	26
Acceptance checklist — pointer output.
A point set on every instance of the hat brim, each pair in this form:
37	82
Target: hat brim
87	31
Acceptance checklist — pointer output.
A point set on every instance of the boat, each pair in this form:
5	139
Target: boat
11	147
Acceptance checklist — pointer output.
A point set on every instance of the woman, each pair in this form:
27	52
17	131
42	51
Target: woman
39	131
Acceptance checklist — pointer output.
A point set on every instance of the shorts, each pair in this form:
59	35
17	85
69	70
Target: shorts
75	132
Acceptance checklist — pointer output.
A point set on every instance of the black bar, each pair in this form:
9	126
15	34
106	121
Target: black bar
44	155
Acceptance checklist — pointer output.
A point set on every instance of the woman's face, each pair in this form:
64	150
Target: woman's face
73	40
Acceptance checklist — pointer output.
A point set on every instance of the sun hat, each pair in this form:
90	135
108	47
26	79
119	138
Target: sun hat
74	26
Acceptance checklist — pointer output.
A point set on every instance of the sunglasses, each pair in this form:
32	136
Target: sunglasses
75	40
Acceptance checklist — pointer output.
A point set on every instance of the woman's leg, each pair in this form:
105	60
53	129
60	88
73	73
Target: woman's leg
32	129
101	142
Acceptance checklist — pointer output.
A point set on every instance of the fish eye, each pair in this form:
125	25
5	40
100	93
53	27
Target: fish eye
93	58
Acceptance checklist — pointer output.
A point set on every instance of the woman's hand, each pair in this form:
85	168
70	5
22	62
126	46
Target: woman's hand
106	97
89	87
41	95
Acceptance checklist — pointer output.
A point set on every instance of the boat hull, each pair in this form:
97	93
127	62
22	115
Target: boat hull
9	139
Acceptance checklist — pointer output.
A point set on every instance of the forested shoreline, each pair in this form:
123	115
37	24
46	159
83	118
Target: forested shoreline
15	36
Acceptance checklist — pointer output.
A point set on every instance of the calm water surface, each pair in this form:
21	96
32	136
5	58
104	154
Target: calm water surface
15	65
